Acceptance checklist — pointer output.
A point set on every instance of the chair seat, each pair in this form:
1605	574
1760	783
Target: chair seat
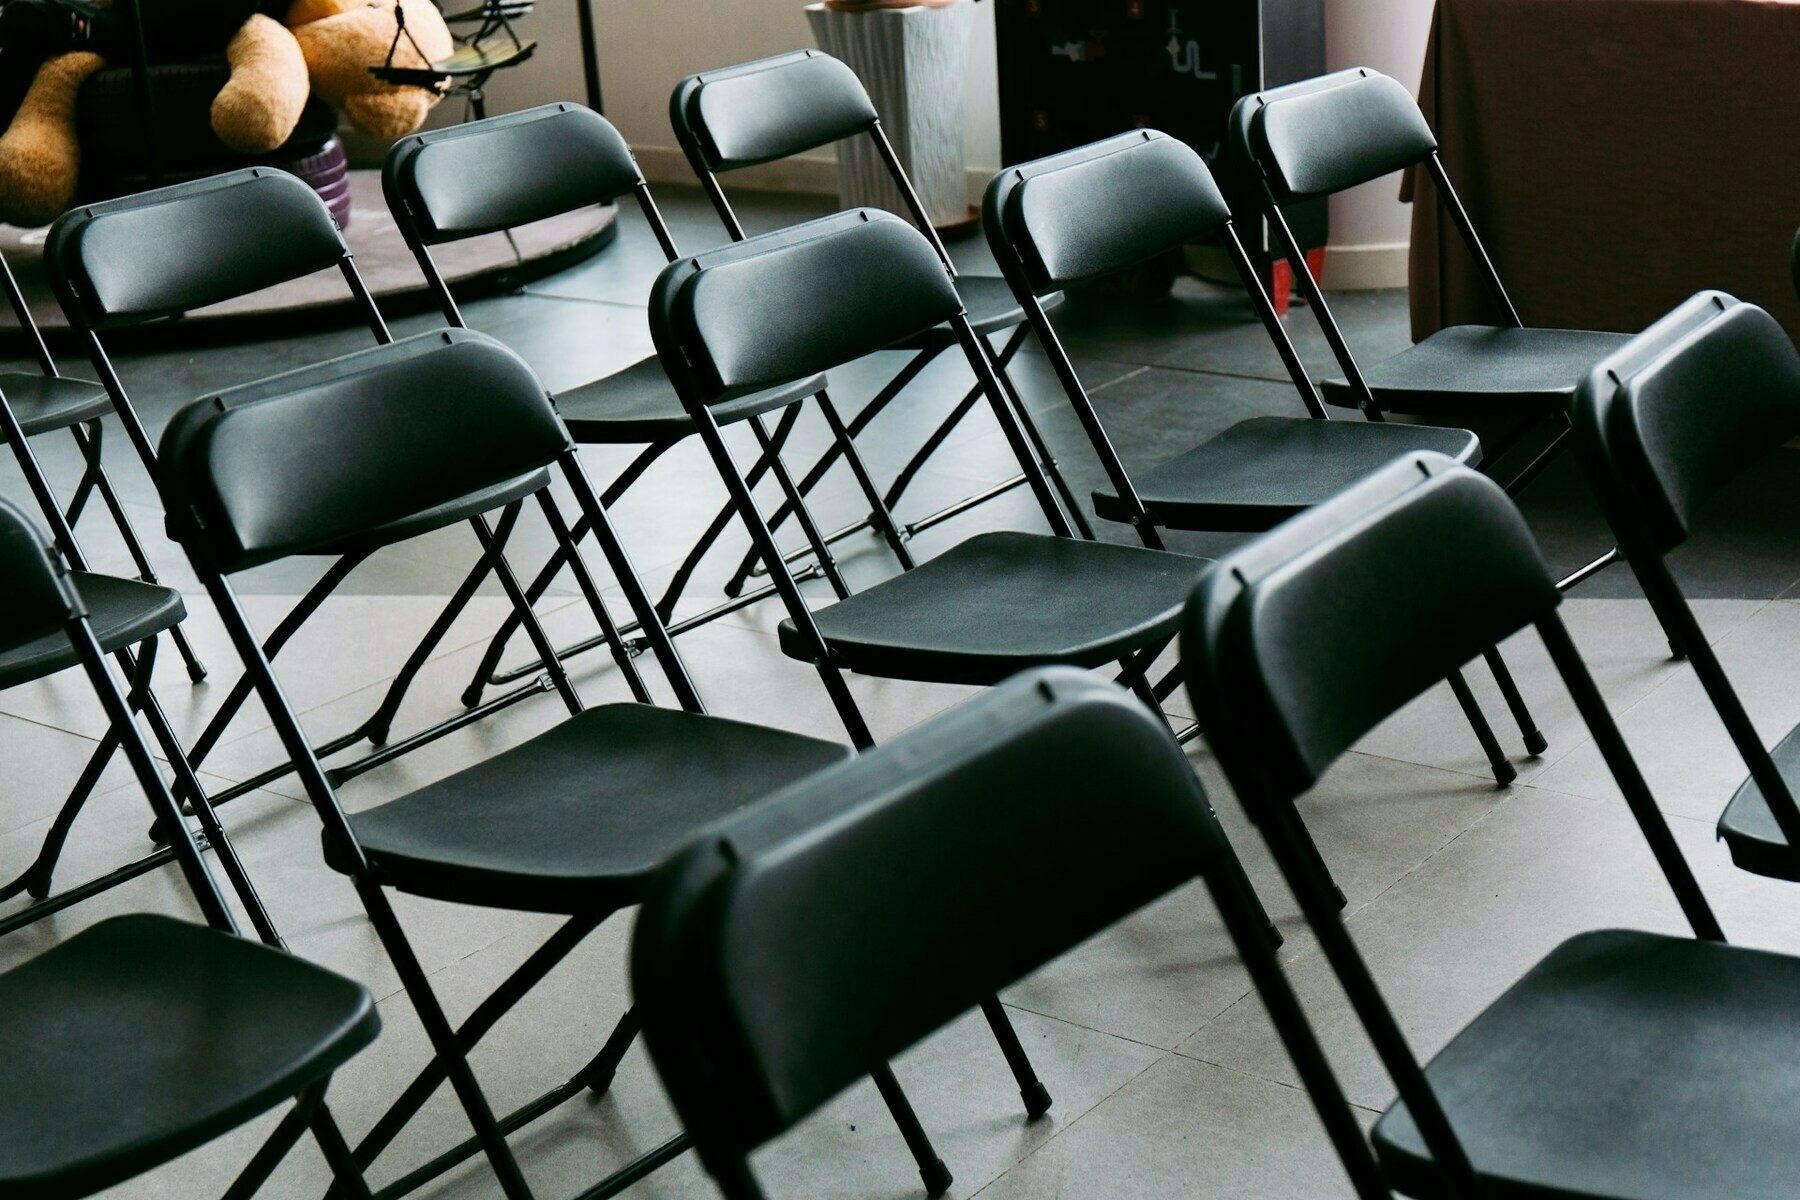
639	405
1260	472
1481	370
144	1037
123	612
461	509
1001	602
573	820
991	306
44	402
1625	1065
1748	828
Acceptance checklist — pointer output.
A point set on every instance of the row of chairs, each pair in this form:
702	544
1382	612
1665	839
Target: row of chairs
353	455
1624	1065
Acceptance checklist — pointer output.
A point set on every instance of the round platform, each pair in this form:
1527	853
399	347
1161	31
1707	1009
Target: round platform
480	266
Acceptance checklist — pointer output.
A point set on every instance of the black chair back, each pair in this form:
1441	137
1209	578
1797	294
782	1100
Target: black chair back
485	176
1303	640
169	251
824	930
1063	217
317	456
1327	134
759	313
769	109
1683	409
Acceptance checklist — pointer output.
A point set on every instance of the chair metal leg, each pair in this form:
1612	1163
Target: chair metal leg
1038	445
195	668
36	878
337	1154
1031	1090
275	1147
931	1168
665	607
1504	771
879	513
1535	741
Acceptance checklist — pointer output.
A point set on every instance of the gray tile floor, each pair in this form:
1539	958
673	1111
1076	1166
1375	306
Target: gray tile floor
1168	1080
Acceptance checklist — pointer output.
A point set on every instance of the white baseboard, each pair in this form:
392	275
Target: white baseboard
1365	268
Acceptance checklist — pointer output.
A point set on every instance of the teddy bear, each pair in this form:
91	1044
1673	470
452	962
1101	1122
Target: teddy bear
49	48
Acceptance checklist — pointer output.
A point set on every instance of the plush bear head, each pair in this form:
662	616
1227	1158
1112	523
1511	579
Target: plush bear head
342	39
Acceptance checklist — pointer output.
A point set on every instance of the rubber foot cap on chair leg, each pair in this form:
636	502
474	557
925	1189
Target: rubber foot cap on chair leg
1343	901
38	886
1536	743
159	835
471	697
1037	1099
598	1084
937	1178
1275	939
1676	652
1504	773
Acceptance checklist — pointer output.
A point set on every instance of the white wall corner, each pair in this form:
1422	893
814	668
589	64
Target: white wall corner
1365	268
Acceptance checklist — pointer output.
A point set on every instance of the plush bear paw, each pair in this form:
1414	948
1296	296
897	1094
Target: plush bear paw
40	160
260	104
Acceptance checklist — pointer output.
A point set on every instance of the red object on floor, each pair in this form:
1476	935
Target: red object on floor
1281	278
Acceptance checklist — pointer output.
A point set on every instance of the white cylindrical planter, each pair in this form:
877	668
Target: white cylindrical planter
913	61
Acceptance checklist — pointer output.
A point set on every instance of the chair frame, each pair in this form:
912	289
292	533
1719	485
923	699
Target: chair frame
411	212
138	665
695	141
310	1111
1448	199
88	436
91	322
1625	479
720	1084
1029	295
1269	765
452	1045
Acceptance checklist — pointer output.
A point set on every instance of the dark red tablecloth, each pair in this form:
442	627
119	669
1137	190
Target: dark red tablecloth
1616	156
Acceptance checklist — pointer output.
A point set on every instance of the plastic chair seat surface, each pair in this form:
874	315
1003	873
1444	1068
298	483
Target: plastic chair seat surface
144	1037
1001	602
639	404
1482	369
123	613
46	402
1748	828
1261	471
573	820
1625	1065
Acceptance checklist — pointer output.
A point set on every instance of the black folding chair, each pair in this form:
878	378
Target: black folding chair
1684	408
153	256
814	296
144	1037
778	107
570	822
50	400
1325	135
1060	784
1109	206
1624	1065
126	615
448	185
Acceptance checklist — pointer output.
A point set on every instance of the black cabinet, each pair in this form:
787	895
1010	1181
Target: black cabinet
1074	71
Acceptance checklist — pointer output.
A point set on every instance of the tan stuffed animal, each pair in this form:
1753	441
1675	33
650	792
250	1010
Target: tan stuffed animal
325	48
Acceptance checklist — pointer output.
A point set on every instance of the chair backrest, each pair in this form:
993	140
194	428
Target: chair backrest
1100	208
1327	134
298	461
1299	642
1684	408
785	305
809	938
769	109
36	598
465	180
165	252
